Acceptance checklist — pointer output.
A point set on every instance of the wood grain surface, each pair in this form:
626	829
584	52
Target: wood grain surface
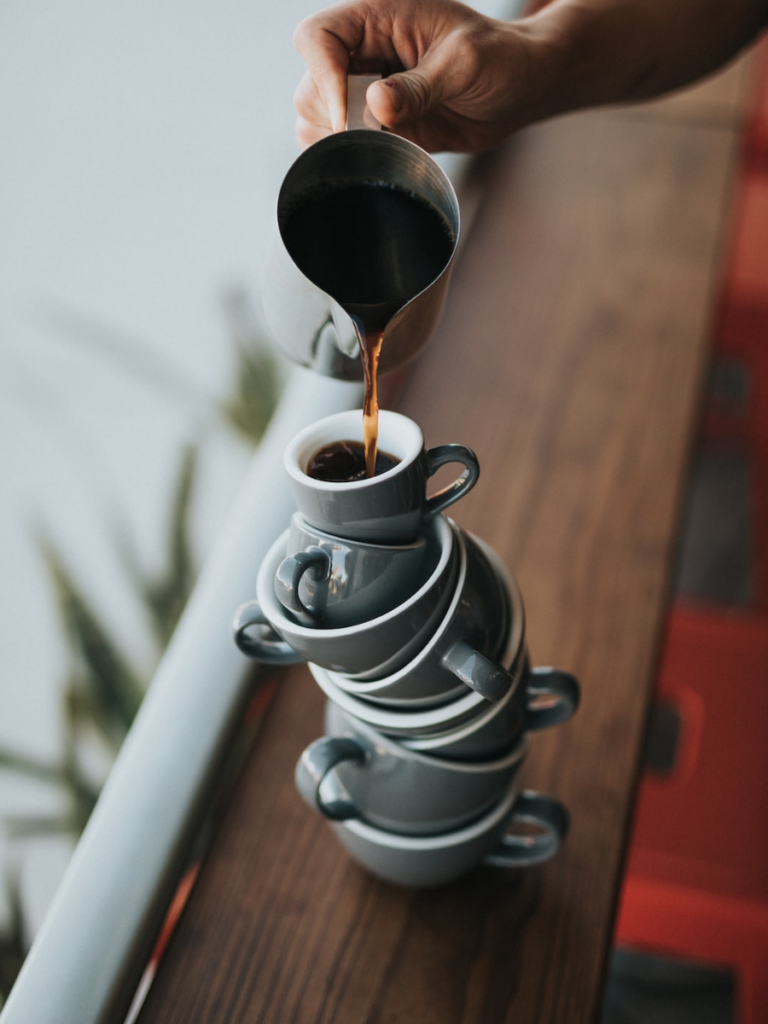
571	357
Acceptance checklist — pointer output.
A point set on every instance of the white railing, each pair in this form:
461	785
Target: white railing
121	874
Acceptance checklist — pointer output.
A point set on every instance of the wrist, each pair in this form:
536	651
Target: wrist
537	58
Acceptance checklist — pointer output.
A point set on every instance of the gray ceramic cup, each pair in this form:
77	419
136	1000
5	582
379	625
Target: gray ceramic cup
385	509
266	631
465	649
329	582
468	728
359	773
428	861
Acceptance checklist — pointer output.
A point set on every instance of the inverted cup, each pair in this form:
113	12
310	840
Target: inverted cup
385	509
428	861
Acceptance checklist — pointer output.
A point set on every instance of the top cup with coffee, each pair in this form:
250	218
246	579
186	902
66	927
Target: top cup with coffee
332	491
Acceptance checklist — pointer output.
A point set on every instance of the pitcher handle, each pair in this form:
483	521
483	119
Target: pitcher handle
358	112
441	455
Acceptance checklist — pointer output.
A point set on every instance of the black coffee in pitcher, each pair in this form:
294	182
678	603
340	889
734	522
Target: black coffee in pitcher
372	247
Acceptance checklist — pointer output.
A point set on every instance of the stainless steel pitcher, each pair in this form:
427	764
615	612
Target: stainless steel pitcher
304	320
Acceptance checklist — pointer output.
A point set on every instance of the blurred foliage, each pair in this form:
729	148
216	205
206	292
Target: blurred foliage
103	690
251	402
12	939
164	595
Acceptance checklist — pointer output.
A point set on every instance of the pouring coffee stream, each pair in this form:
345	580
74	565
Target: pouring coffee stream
367	227
373	247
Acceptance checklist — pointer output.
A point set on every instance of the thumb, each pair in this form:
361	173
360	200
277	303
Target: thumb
404	97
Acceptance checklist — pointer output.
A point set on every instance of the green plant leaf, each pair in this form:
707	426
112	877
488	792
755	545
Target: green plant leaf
256	386
105	672
249	408
43	826
166	595
13	943
25	764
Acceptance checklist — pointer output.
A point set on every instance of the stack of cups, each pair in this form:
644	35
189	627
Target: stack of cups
415	631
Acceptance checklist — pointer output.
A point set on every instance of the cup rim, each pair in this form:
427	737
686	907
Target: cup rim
365	687
443	840
468	727
512	654
275	612
299	521
515	754
403	724
326	431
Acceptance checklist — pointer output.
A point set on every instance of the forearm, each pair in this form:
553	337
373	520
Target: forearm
613	51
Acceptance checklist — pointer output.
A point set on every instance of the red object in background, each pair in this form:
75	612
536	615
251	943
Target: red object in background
741	337
696	883
756	134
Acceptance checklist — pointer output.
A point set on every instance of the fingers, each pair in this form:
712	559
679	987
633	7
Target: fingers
437	57
307	133
411	95
400	99
310	107
325	42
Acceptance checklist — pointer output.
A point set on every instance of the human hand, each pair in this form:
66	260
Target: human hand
456	79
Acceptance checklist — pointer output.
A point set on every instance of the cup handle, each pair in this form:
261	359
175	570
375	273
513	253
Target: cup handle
489	680
522	851
313	766
441	455
289	575
268	647
561	687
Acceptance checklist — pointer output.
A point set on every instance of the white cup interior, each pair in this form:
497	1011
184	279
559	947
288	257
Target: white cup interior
398	435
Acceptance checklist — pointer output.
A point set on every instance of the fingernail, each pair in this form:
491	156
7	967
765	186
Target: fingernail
395	95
